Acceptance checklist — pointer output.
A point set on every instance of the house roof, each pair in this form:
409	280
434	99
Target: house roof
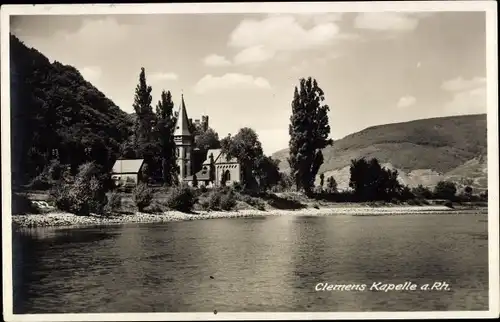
203	174
182	124
219	157
128	166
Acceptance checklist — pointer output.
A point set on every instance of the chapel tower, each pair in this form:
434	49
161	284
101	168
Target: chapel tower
183	139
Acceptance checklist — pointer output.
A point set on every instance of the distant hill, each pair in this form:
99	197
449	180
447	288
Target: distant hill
56	111
423	151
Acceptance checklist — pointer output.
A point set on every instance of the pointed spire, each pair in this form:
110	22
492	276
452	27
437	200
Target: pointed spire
182	124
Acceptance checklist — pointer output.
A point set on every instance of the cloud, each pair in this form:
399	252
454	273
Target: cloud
255	54
230	81
159	76
461	84
386	21
91	73
469	95
216	60
406	101
261	40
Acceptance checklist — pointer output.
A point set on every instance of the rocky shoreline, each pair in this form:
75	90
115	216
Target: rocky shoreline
59	219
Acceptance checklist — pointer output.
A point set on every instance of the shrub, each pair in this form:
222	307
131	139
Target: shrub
448	204
204	204
114	202
22	204
181	198
228	201
142	196
237	186
254	202
445	190
40	182
421	192
86	195
203	189
214	200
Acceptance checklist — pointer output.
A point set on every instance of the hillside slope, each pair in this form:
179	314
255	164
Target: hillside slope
55	111
423	151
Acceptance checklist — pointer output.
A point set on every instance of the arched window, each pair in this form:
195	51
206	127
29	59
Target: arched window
227	175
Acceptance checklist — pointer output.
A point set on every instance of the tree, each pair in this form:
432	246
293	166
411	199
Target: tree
372	182
267	172
165	129
445	190
206	140
145	119
331	184
247	149
195	181
321	180
422	192
309	131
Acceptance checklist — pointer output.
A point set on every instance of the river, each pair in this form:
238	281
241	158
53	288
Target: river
262	264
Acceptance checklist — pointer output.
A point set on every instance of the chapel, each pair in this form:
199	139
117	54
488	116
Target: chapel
210	168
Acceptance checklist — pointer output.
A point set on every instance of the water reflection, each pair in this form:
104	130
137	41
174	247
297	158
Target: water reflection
252	264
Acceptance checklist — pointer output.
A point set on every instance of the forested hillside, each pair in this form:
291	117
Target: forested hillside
424	151
57	114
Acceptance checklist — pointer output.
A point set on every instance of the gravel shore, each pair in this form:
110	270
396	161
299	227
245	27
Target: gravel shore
59	219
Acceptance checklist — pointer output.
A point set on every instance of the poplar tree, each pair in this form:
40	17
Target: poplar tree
144	114
165	129
309	131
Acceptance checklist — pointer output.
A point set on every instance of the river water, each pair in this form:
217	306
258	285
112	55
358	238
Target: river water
260	264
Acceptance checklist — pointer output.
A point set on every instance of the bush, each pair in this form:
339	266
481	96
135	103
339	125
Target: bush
142	196
203	189
181	198
445	190
214	200
228	201
237	186
114	203
421	192
204	204
448	204
21	204
254	202
86	195
40	182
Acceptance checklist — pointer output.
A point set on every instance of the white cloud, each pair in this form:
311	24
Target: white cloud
461	84
231	81
469	95
260	40
216	60
91	73
159	76
406	101
255	54
386	21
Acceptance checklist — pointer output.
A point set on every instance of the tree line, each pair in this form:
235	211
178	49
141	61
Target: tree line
61	124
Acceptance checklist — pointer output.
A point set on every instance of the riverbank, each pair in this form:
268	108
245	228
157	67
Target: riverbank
61	219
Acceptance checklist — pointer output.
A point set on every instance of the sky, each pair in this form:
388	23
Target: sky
241	69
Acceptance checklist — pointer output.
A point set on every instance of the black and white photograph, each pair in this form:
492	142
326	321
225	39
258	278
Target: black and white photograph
238	161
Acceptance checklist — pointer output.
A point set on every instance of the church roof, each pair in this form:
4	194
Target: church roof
182	124
219	157
128	166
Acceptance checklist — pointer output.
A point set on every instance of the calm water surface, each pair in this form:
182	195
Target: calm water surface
257	264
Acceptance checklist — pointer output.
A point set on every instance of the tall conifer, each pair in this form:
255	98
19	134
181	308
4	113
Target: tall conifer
165	127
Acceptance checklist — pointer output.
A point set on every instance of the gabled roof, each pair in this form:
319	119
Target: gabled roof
219	157
182	124
128	166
